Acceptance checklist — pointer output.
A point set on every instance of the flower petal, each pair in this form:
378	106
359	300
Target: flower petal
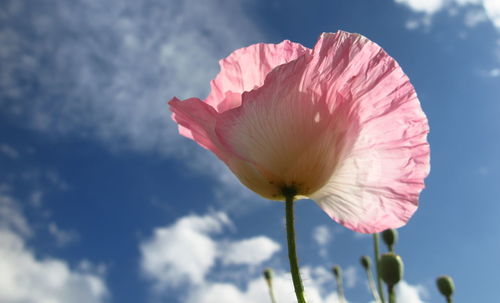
196	121
291	137
246	69
250	176
378	183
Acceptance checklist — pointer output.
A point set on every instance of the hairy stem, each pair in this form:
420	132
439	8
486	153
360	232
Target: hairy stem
292	253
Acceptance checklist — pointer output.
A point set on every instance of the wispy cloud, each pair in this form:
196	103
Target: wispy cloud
9	151
475	16
11	217
322	235
61	236
105	70
351	276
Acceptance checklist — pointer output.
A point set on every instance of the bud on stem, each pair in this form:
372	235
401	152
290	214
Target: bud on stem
390	237
391	271
268	276
446	287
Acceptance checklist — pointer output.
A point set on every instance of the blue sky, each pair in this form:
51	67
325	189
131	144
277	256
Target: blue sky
102	201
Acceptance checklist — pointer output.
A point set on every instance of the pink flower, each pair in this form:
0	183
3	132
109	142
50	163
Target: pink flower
340	123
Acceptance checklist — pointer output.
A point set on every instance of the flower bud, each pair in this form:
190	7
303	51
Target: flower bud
337	271
366	262
445	285
268	275
391	269
390	236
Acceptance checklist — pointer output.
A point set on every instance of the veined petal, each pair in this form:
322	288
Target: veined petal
291	137
246	69
196	121
250	176
378	183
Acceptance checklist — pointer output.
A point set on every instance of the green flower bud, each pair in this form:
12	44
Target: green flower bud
390	236
268	274
337	271
366	262
445	285
391	268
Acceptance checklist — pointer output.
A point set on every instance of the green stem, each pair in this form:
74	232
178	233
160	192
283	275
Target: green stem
271	292
292	254
449	300
340	290
392	294
376	246
373	288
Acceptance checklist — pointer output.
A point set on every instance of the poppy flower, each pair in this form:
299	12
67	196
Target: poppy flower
340	124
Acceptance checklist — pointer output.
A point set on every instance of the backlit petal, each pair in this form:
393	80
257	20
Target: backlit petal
290	136
196	121
246	69
378	183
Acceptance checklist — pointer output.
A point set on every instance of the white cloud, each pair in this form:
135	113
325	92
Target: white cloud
183	252
24	278
255	291
425	6
407	293
492	8
476	11
27	278
252	251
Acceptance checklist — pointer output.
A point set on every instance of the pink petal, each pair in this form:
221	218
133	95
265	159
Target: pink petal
291	137
246	69
378	183
196	121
